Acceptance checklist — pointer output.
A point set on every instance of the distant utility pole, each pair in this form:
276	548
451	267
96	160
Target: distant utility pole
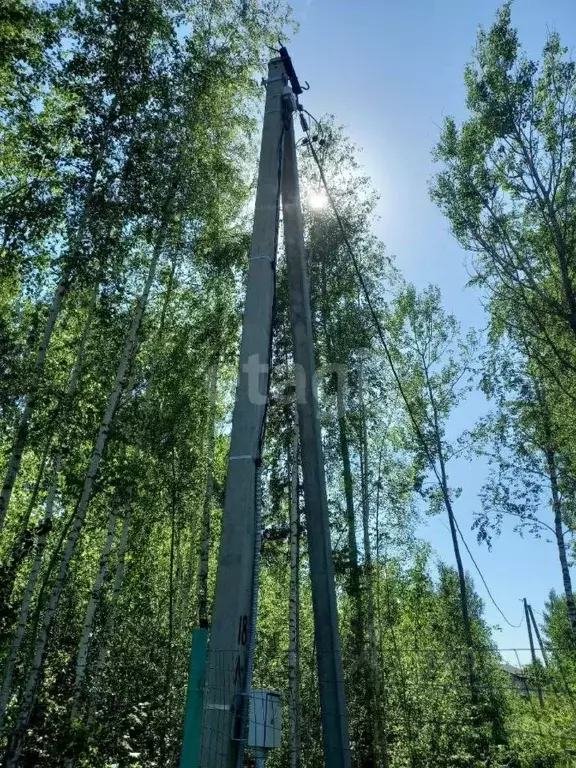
233	621
330	674
538	635
556	658
532	649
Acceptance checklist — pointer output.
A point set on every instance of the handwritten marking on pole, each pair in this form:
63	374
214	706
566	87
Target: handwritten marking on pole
239	669
243	630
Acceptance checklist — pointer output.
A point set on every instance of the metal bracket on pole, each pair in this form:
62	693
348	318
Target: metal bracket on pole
291	72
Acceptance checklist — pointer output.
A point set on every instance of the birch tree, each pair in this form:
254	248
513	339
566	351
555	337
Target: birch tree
435	365
104	107
507	183
529	466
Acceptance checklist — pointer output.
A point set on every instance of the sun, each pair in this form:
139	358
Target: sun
317	201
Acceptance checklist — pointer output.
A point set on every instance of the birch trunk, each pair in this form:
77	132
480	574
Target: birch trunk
30	402
549	450
77	521
28	594
86	638
21	546
443	482
204	559
560	540
373	673
366	518
64	283
294	640
59	417
170	649
354	584
110	622
88	626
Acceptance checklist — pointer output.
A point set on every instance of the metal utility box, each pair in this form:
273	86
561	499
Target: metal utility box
265	726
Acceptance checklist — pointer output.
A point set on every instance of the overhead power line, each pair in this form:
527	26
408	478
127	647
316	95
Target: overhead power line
385	345
514	626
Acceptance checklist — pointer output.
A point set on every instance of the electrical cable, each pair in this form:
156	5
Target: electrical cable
383	341
510	624
311	116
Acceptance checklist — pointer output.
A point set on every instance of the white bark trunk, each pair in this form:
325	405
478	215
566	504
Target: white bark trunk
61	290
294	640
82	507
204	559
28	594
560	540
366	516
109	627
379	743
58	420
49	509
22	432
77	368
86	638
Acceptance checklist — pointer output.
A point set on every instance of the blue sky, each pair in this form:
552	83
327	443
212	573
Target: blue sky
390	72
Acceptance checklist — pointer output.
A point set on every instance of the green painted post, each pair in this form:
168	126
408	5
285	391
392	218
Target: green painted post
190	756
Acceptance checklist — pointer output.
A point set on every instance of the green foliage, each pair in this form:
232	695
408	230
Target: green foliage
127	155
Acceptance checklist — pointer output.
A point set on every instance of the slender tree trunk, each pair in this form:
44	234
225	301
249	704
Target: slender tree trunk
339	383
354	571
20	548
29	403
77	521
379	746
167	704
294	639
59	419
443	481
366	517
203	563
549	450
66	279
16	644
560	540
108	631
461	581
550	216
354	588
46	524
88	626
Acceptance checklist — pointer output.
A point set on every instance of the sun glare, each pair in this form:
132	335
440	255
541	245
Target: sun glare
317	200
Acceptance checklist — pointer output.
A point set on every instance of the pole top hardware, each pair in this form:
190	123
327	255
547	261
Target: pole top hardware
290	71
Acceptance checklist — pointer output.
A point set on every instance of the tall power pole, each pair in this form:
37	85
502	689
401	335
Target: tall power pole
330	674
228	674
532	649
233	621
537	631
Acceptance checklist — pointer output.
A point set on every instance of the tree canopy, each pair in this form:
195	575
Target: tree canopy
128	151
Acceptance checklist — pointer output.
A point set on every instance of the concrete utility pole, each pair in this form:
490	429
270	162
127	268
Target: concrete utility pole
538	635
532	649
558	662
330	675
232	621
